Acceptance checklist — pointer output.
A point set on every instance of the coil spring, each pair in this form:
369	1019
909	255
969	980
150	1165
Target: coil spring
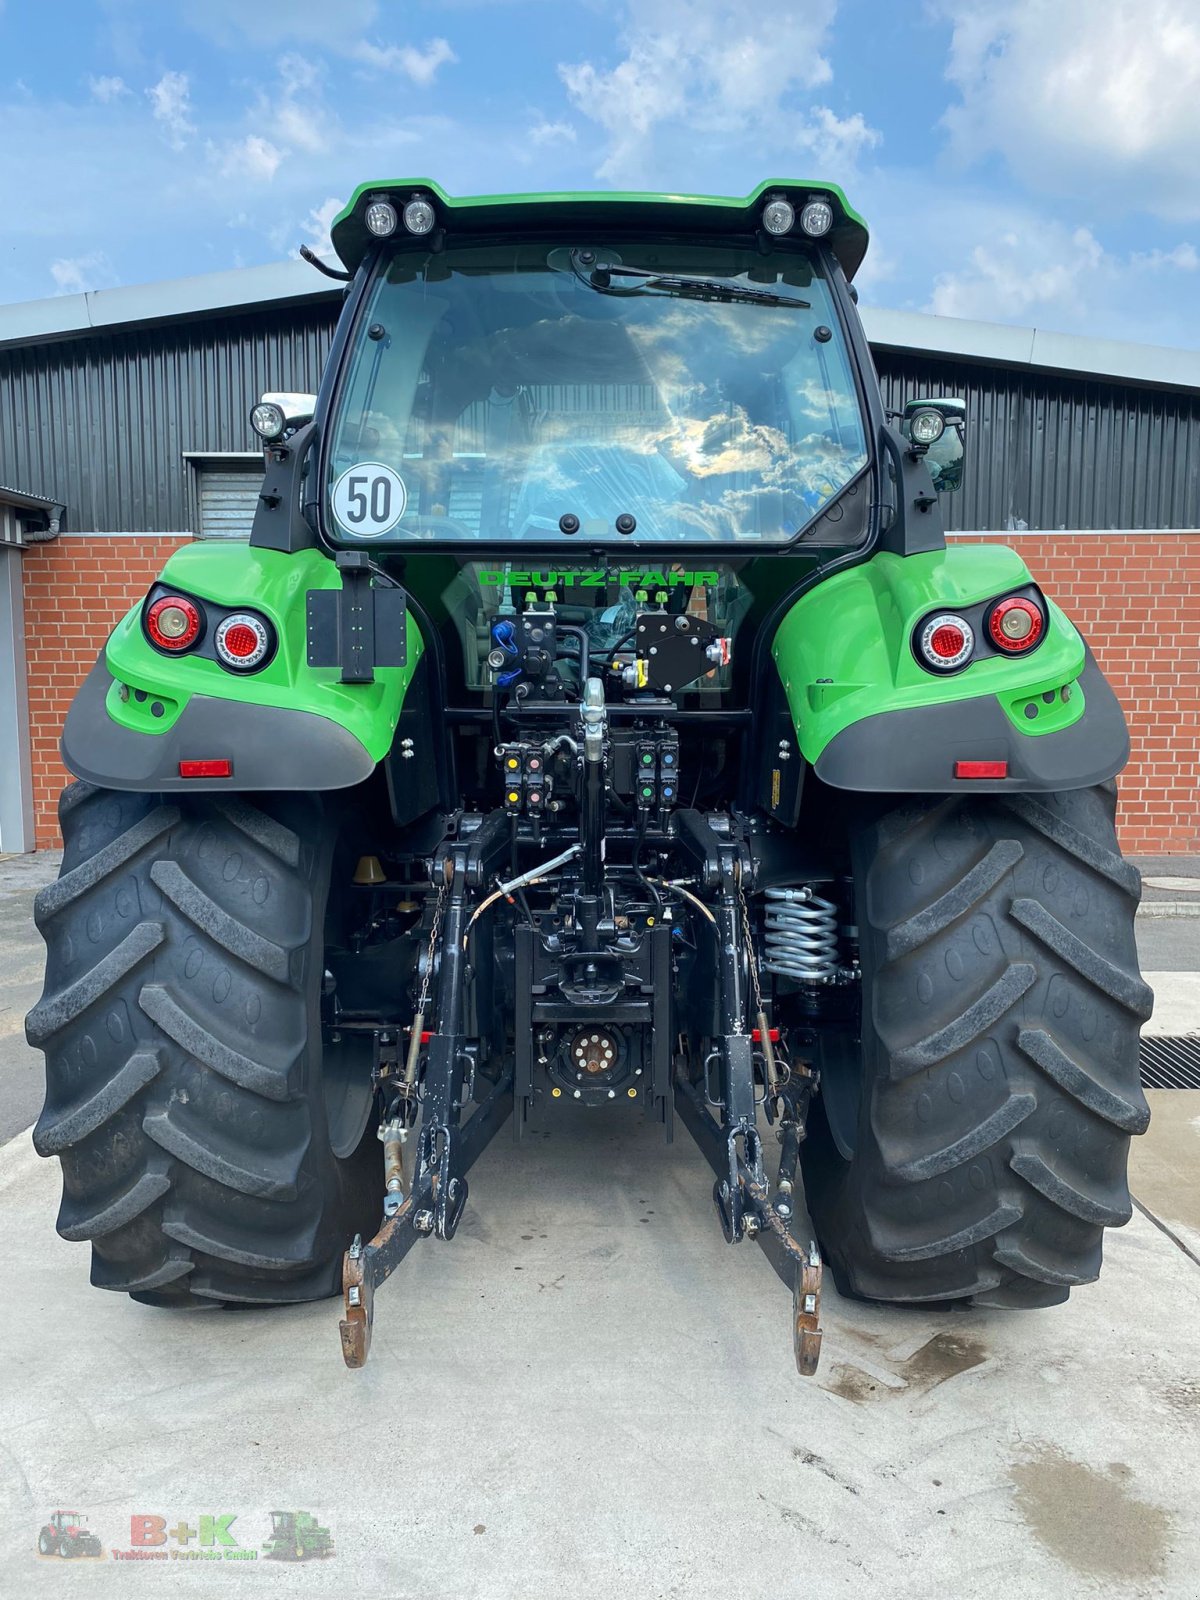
801	935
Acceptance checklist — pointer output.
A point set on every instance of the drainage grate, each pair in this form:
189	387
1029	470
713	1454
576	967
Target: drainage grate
1169	1063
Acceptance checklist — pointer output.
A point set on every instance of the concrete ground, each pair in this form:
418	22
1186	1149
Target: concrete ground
589	1393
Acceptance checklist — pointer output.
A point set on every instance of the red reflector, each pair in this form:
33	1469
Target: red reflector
981	769
222	768
756	1035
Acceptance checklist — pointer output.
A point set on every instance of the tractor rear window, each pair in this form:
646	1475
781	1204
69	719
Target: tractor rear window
518	392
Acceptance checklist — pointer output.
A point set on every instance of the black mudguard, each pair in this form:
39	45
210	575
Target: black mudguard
269	747
913	751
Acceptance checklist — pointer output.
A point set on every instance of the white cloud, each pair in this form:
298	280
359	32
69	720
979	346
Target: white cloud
719	68
836	143
106	89
253	157
419	65
317	225
1082	97
80	274
296	114
1021	275
551	133
171	103
1184	258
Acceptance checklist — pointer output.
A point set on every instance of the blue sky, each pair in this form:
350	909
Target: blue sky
1025	161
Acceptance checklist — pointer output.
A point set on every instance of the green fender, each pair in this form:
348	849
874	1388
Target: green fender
868	716
289	726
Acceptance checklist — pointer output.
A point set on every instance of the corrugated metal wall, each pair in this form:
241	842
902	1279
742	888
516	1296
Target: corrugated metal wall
106	420
102	423
1055	452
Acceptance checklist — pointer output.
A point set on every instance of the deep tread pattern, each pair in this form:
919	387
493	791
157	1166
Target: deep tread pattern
64	891
263	828
201	1043
1126	988
213	1237
1072	1197
1001	1008
996	1000
183	1097
952	1243
53	1134
231	934
170	1268
77	1222
274	1175
1003	1120
53	1012
960	898
1128	1111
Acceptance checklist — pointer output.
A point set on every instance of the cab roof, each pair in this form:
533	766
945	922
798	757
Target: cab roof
648	213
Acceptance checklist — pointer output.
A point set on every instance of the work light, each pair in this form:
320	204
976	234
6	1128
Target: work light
778	216
267	419
419	216
817	218
926	426
381	219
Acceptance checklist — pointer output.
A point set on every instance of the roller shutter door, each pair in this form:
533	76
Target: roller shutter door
227	502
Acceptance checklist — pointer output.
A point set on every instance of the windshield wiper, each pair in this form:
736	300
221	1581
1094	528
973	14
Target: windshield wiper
600	275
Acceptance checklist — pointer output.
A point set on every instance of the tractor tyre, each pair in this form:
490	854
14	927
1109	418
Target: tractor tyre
211	1150
975	1149
47	1543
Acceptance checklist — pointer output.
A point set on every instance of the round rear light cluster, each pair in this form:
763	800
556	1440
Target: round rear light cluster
242	641
946	642
173	623
1015	624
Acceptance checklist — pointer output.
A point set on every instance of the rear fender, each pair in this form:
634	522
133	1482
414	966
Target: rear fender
868	716
141	712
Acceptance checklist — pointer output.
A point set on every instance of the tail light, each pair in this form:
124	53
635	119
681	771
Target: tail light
945	642
242	641
173	623
1015	624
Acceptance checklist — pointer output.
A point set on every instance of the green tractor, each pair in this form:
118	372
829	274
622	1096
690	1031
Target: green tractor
297	1536
596	717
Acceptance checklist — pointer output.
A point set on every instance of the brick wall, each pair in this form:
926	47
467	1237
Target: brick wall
75	590
1136	599
1135	596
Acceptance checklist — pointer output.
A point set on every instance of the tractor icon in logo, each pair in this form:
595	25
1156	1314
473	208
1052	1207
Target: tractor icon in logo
297	1536
67	1534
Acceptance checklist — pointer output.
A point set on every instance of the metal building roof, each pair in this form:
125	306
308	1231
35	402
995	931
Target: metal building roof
75	315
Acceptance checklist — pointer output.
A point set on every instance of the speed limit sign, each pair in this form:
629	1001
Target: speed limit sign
368	500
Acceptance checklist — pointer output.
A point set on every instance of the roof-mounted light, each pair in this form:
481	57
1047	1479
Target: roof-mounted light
419	216
381	219
779	216
816	218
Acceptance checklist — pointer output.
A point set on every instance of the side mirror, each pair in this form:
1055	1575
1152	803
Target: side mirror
279	413
942	447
